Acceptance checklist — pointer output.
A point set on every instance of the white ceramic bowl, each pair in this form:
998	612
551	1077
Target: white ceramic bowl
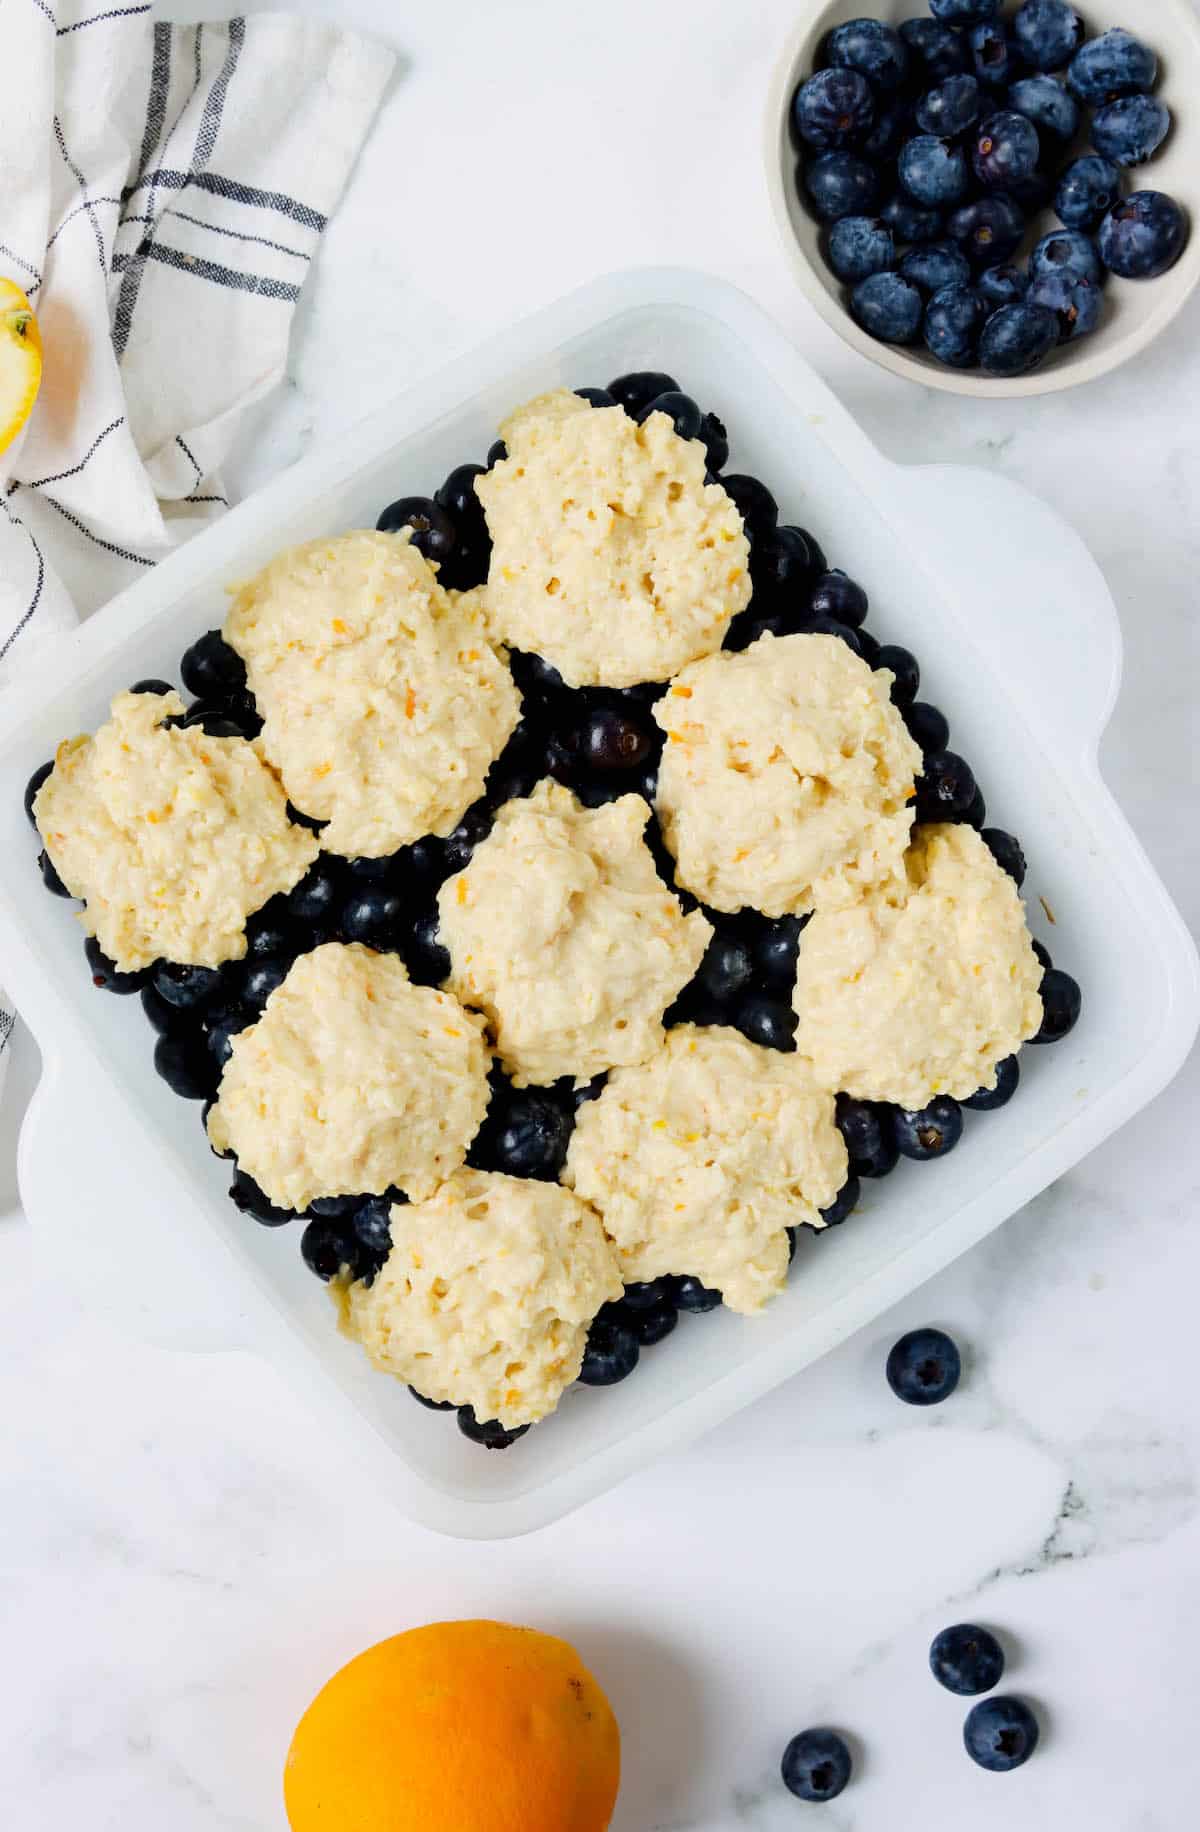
1135	310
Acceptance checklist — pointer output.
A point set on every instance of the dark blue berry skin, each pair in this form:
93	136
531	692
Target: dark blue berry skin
767	1022
1087	191
1130	130
269	935
872	48
892	123
954	319
1007	853
1114	64
715	440
32	786
774	954
529	1135
866	1127
1017	339
975	814
860	246
107	975
887	308
335	1208
1052	109
923	1368
496	454
245	1195
188	988
691	1294
932	172
987	1100
999	286
929	726
644	1294
680	410
966	1659
1077	304
816	1765
928	1132
313	901
1043	955
260	978
903	664
214	721
152	685
843	1204
833	110
372	915
435	1405
1144	236
308	821
964	12
1048	33
754	503
611	1353
1061	1005
909	222
371	1226
433	530
829	626
1067	253
185	1064
221	1026
490	1433
950	108
50	877
994	55
782	562
836	595
650	1326
457	497
161	1015
635	390
1000	1734
726	969
324	1248
990	230
210	669
1006	149
597	397
840	184
946	788
935	51
427	961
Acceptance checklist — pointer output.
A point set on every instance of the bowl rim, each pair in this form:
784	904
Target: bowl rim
1101	358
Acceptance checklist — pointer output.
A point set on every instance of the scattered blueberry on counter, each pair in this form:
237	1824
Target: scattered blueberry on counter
966	1659
923	1368
1000	1734
816	1765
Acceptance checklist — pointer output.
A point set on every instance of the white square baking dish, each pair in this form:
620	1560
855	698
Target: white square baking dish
1018	642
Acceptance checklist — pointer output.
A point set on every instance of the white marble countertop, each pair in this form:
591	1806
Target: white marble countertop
183	1563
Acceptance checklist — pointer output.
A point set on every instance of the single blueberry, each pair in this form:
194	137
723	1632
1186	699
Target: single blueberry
1114	64
834	109
923	1368
930	1131
946	788
726	968
902	664
816	1765
1052	109
314	900
990	230
887	308
371	1223
107	975
994	55
185	1064
434	532
1069	253
372	915
836	595
774	954
216	721
768	1022
518	768
966	1659
1048	33
269	933
933	172
843	1204
644	1294
892	123
650	1326
540	683
260	978
210	669
335	1208
937	51
325	1249
488	1432
1061	1004
635	390
467	566
611	1353
866	1127
950	108
871	47
1017	339
691	1294
1130	130
437	1405
868	648
928	726
428	962
680	410
1006	148
753	502
986	1100
909	222
185	986
715	440
31	789
530	1135
222	1024
1007	853
1077	304
1000	1733
1004	285
860	246
246	1195
934	266
161	1014
457	497
839	184
781	563
1087	191
954	319
152	685
597	397
1144	236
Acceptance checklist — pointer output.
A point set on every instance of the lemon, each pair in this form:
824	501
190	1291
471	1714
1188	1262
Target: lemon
20	361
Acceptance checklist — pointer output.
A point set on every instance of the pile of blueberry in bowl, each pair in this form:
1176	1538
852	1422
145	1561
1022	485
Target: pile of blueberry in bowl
971	182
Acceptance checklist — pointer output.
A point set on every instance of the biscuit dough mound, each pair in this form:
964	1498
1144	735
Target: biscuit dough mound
561	931
486	1296
785	776
172	838
700	1159
923	990
352	1080
611	558
383	702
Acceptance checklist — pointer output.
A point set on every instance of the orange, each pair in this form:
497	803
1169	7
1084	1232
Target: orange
20	361
457	1727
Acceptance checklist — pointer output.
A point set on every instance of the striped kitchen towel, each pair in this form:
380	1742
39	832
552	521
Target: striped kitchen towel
163	189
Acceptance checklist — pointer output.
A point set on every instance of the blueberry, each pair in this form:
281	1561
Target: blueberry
152	685
32	786
993	53
1017	339
1144	236
646	1294
635	390
839	184
314	900
963	12
872	48
1007	853
892	124
107	975
753	502
162	1015
726	968
1087	190
335	1208
269	934
928	726
1130	130
1052	109
990	230
497	452
597	397
950	108
50	877
868	648
1006	148
932	172
1048	33
612	740
866	1127
774	954
1061	1003
185	986
246	1195
324	1248
829	626
1003	285
928	1132
692	1295
860	246
946	788
986	1100
923	1368
1114	64
433	530
767	1022
909	222
680	409
954	319
816	1765
540	683
308	821
1043	955
611	1353
210	669
833	109
457	497
780	564
1000	1733
938	51
371	1223
518	768
650	1326
934	266
260	978
183	1060
1069	253
843	1204
1077	304
215	721
436	1405
903	665
427	961
468	565
840	597
372	915
887	308
715	440
489	1432
221	1026
529	1135
966	1659
975	812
